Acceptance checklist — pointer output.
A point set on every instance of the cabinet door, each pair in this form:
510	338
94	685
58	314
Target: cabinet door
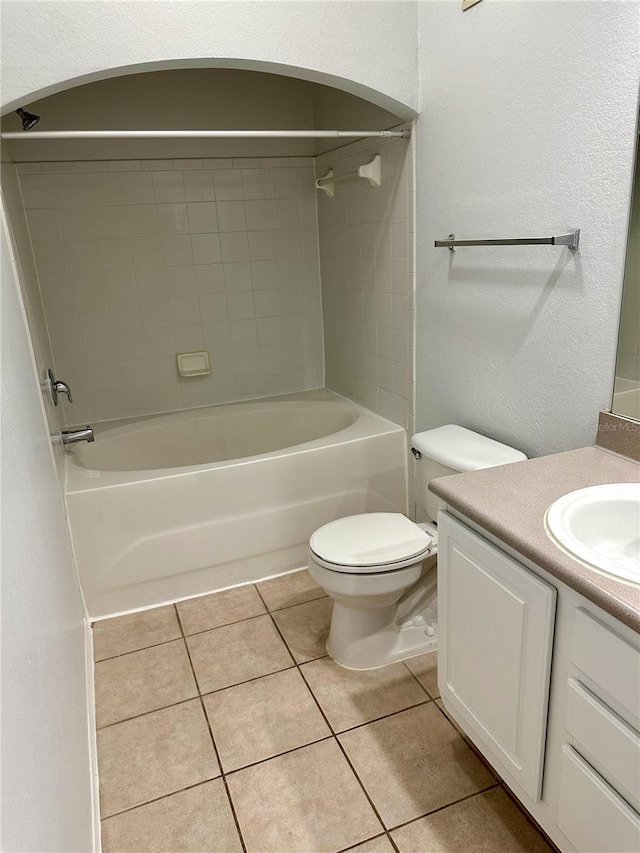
495	640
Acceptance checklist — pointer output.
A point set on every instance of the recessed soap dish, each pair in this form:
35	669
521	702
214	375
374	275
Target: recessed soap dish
193	363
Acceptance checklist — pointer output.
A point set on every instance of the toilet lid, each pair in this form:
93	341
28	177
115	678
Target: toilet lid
369	540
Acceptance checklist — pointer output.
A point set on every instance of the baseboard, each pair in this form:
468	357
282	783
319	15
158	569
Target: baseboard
93	744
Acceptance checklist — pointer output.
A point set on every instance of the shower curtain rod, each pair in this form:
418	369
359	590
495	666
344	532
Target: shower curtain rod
209	134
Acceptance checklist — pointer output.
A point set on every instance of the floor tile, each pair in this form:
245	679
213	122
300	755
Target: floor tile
221	608
486	823
154	755
143	681
425	669
198	820
124	634
305	628
350	698
307	801
413	763
235	653
294	588
376	845
263	718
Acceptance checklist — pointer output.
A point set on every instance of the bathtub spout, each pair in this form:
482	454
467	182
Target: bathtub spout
71	436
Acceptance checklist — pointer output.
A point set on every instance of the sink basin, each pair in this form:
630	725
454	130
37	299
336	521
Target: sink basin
600	527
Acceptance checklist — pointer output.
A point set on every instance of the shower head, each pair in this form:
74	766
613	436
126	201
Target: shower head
29	120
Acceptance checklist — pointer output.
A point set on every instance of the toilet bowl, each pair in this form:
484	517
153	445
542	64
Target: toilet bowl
379	568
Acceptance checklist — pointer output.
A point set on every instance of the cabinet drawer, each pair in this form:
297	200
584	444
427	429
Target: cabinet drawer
608	742
594	648
590	813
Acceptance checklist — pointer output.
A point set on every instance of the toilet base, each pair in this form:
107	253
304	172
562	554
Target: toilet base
370	639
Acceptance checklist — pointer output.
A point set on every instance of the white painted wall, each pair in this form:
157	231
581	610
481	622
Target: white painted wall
46	775
528	112
373	46
192	99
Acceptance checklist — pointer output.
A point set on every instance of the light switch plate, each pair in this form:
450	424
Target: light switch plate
467	4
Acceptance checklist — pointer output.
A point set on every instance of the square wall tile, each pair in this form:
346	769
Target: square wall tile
206	248
172	219
231	216
179	228
176	250
168	186
228	184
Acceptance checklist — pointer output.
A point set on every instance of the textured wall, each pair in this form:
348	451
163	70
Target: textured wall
366	259
370	46
528	114
46	772
140	260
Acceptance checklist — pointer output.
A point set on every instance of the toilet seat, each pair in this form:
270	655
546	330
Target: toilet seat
370	543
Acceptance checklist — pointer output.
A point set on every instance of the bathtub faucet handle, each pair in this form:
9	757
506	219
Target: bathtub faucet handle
58	387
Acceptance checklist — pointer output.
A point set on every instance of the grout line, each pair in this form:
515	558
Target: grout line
529	817
415	677
360	843
333	735
446	806
146	713
213	741
157	799
184	635
141	649
329	736
375	810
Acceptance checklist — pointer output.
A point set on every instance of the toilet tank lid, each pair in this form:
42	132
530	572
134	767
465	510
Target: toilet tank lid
464	450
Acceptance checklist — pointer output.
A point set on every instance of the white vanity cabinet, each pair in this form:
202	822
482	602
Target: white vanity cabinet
546	685
495	662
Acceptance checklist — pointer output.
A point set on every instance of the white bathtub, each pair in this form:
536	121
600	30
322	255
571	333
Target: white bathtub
178	505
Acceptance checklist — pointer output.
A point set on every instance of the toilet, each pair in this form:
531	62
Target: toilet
379	567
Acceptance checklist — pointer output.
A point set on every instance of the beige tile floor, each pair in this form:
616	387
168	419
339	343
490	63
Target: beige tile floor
223	727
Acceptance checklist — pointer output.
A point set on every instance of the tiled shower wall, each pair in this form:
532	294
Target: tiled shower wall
366	259
139	260
23	254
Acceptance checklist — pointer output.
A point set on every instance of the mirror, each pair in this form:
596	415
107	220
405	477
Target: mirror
626	389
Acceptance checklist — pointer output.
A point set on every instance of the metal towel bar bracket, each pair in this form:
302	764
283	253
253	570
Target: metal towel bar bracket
571	240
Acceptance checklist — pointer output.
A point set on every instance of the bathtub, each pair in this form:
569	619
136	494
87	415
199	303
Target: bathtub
172	506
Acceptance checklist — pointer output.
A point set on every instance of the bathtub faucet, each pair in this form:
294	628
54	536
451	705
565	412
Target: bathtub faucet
70	436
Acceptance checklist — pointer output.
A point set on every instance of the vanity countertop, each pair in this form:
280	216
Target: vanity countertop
510	502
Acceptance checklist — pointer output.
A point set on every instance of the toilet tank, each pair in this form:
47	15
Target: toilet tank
453	449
